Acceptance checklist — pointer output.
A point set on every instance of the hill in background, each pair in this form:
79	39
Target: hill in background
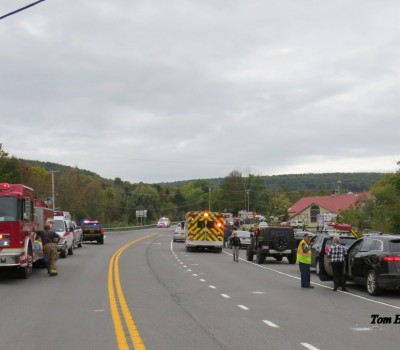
353	182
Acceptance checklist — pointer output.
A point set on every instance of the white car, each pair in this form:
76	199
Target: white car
179	235
164	222
263	224
64	229
245	238
78	234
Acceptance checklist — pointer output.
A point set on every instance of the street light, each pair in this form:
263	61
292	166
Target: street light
52	186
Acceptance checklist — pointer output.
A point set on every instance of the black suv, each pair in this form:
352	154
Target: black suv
277	242
374	261
93	231
320	245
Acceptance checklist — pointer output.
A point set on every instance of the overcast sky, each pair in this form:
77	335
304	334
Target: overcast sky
167	90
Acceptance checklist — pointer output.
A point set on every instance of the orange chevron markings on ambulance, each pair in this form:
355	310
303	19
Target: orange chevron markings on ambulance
205	226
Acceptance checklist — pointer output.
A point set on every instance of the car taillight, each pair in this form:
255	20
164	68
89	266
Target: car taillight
392	258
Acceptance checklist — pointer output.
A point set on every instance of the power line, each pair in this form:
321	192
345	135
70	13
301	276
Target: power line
21	9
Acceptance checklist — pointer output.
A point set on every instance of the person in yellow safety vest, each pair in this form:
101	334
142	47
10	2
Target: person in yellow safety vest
304	259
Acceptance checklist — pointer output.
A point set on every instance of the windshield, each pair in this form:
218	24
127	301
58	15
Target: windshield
8	208
59	226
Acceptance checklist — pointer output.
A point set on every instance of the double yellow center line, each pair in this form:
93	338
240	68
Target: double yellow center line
118	305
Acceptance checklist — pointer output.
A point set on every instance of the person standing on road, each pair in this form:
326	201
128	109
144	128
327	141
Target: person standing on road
49	239
337	255
235	243
304	259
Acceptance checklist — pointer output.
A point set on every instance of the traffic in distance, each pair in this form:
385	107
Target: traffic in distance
371	260
23	219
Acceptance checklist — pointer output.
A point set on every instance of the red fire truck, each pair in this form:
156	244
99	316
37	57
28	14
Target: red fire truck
17	228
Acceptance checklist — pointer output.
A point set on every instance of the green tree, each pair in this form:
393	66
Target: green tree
234	191
196	195
10	170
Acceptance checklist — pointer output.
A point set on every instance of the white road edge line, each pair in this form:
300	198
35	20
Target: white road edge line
319	285
309	346
271	324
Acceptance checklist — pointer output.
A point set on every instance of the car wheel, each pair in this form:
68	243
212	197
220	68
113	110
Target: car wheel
71	250
80	243
64	252
372	283
317	268
100	240
281	243
292	258
249	253
260	257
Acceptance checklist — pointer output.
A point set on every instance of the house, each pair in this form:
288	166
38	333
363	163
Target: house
306	209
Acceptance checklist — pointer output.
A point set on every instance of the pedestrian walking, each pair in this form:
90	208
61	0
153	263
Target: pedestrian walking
49	239
304	259
235	244
337	254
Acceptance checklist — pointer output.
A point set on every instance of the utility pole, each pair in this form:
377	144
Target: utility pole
52	187
248	200
209	198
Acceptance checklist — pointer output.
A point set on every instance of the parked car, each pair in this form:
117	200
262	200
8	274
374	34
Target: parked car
299	235
297	223
262	224
78	234
245	238
93	231
164	222
274	241
374	261
179	234
320	245
66	243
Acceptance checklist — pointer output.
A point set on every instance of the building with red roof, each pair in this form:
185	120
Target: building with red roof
306	209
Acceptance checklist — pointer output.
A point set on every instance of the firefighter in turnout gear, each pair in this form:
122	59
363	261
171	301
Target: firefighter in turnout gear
49	239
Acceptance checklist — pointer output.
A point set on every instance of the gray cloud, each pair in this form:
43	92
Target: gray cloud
160	91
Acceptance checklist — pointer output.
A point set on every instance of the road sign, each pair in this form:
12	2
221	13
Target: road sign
141	213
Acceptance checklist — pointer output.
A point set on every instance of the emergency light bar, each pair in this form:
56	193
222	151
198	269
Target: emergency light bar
5	186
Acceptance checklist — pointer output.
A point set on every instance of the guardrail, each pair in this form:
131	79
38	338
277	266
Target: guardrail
133	228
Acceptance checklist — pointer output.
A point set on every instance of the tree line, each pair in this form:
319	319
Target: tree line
115	202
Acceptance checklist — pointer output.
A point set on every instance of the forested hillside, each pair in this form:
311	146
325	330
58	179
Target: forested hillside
115	201
316	183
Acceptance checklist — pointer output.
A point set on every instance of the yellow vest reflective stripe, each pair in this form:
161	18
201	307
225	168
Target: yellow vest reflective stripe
303	257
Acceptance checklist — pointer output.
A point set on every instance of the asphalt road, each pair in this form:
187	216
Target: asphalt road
141	291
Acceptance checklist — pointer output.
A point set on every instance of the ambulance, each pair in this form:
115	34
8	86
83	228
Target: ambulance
204	230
